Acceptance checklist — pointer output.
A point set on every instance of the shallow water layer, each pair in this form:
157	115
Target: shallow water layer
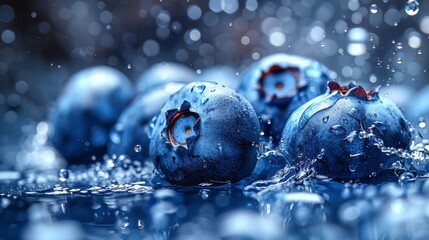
294	204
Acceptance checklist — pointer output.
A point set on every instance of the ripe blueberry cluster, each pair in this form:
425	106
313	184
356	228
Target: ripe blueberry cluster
209	133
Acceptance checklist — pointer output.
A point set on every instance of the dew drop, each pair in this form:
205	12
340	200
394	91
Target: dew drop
373	8
63	175
352	168
199	88
325	119
137	148
219	147
412	7
337	130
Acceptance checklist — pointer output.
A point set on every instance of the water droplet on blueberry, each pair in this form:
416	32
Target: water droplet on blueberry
137	148
337	130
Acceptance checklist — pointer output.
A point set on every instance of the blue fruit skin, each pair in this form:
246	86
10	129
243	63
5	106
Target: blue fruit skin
329	122
222	147
132	126
163	73
86	110
274	114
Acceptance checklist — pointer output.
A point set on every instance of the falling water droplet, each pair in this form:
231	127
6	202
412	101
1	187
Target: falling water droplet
129	66
399	46
137	148
63	175
373	8
422	123
399	61
412	7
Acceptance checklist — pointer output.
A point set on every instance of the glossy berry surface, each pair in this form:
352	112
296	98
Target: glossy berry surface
163	73
346	133
278	84
86	110
205	133
130	134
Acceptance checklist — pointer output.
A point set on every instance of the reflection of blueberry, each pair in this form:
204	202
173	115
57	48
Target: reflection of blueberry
278	84
205	133
86	111
163	73
341	131
130	135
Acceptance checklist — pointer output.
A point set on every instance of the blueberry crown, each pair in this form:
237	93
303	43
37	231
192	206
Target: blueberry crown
274	86
182	124
353	90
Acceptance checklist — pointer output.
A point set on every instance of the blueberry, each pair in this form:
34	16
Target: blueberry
346	133
86	110
130	135
163	73
278	84
205	133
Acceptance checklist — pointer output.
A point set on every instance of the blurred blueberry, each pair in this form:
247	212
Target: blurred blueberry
418	112
223	75
86	110
278	84
205	133
130	135
165	72
346	133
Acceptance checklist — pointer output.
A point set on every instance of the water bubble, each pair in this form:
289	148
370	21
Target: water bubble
373	8
137	148
337	130
412	7
63	175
